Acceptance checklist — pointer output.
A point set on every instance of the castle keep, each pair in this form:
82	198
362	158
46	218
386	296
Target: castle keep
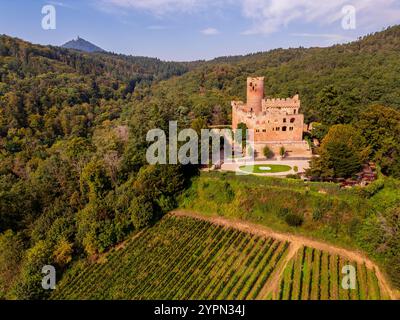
276	122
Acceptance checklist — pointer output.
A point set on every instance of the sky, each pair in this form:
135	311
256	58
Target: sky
186	30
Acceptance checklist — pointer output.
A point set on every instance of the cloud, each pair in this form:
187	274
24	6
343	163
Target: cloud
210	32
60	4
269	16
158	7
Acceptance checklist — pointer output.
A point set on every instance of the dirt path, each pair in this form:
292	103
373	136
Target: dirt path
272	284
296	243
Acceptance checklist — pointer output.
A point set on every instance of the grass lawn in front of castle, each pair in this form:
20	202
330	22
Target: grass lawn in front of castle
266	168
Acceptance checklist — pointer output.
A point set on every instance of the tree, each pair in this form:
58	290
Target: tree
63	253
141	211
243	127
28	287
268	152
380	126
332	108
341	154
11	253
282	152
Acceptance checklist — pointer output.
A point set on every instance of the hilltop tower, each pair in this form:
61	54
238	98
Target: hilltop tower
255	94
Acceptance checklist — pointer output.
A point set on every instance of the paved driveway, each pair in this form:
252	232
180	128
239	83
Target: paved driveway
234	166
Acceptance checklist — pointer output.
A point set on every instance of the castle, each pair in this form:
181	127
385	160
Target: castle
276	122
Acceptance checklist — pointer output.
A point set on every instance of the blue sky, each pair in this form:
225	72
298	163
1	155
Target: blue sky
197	29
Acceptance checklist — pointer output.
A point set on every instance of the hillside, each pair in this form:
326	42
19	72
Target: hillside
183	258
82	45
75	183
334	83
358	219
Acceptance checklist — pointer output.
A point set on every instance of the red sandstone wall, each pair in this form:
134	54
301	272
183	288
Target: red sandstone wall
255	94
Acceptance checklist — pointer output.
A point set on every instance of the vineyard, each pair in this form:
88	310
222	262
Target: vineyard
316	275
186	258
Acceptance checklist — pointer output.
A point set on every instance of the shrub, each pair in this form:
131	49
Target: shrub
318	213
282	152
267	152
296	169
141	211
294	220
283	212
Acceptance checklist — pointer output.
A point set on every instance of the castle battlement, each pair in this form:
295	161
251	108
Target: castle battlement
272	119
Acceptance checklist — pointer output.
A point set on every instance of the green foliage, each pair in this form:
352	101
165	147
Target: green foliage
141	211
341	154
318	210
381	128
282	151
294	220
11	254
28	285
267	152
73	173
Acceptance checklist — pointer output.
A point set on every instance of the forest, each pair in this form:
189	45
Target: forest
74	181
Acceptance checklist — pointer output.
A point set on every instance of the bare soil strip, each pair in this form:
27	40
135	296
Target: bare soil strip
296	242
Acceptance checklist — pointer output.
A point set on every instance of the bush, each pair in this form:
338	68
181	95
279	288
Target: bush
267	152
141	211
318	213
282	152
294	220
283	213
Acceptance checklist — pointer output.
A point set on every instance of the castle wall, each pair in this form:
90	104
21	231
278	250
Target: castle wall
273	120
271	127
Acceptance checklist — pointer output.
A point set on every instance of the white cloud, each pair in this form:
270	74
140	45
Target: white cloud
270	16
210	32
158	6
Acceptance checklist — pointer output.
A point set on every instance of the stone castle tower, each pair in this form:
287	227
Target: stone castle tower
255	94
276	122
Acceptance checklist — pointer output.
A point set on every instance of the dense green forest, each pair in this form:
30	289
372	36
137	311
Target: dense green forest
73	176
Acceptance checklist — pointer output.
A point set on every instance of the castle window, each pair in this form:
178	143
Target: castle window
291	129
278	129
264	130
284	120
292	120
284	128
295	111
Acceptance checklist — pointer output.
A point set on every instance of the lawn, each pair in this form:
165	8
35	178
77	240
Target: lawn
266	168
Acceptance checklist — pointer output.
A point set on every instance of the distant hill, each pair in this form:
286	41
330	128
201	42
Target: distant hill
82	45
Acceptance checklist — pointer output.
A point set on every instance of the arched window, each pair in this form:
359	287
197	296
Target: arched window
295	111
284	128
292	120
284	120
